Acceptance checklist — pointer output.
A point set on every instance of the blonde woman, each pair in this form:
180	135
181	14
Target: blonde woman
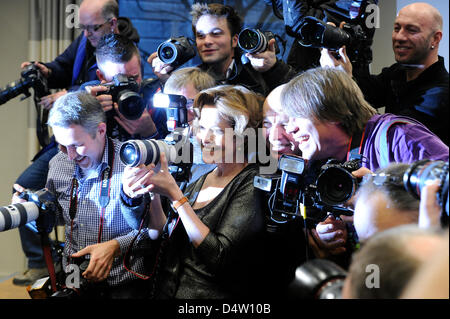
215	234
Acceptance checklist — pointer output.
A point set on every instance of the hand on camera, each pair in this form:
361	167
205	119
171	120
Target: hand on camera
46	72
329	237
143	179
160	69
16	199
105	99
429	209
102	257
263	61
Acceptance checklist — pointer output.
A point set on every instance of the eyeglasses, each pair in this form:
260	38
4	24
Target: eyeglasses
92	27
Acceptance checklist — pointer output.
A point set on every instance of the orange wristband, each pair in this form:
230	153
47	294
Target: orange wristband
177	204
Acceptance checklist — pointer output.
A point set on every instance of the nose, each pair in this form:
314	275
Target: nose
87	33
292	127
71	153
399	35
277	133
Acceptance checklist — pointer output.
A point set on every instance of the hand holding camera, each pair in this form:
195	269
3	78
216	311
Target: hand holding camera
160	69
101	260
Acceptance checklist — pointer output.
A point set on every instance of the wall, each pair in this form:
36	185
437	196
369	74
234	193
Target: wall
14	158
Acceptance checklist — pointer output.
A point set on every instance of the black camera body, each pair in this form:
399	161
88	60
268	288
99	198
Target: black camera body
125	92
301	190
317	34
31	77
176	51
335	184
256	41
78	290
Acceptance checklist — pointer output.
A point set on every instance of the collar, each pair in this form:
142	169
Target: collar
231	67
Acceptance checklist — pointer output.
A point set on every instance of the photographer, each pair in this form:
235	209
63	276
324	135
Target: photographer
417	85
213	241
188	82
330	118
87	166
115	55
216	28
293	13
73	67
383	201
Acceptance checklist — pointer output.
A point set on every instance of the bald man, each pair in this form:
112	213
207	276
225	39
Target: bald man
417	85
275	122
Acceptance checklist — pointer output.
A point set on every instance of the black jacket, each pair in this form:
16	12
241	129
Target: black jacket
77	64
259	82
424	99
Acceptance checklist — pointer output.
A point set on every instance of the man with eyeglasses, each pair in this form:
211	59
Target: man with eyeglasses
76	65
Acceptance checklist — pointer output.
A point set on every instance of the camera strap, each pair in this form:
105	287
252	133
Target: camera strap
104	193
355	146
171	222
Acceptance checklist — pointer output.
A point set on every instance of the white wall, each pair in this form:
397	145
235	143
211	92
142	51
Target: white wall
442	6
14	16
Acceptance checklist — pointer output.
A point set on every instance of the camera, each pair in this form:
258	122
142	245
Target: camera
75	290
31	77
176	145
176	51
42	206
308	190
317	34
420	173
255	41
125	92
176	109
335	184
317	279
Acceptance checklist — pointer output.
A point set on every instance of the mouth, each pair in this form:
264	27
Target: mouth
209	51
303	139
402	48
80	160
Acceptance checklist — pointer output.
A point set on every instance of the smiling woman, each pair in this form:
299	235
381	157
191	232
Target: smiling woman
215	237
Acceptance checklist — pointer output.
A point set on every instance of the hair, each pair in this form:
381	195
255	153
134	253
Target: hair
327	94
237	105
180	78
396	260
77	108
115	48
392	188
110	10
234	21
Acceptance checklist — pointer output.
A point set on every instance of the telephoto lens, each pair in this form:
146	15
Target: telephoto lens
136	152
317	279
176	51
421	173
252	41
317	34
131	105
16	215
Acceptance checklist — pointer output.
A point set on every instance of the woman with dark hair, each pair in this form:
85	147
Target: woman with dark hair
214	230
